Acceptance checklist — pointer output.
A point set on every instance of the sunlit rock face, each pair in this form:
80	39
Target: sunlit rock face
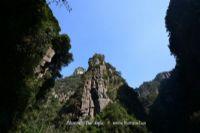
79	71
94	98
41	69
91	91
103	86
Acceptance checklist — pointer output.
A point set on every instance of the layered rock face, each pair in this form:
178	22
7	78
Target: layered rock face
149	91
94	97
162	76
150	87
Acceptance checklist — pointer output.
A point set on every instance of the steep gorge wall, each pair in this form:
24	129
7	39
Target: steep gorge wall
177	107
29	30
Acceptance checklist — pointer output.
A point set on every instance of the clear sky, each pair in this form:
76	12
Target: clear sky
130	33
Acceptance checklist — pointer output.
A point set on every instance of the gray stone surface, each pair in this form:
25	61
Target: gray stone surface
94	97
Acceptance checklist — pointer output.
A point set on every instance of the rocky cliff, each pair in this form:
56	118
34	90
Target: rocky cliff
34	53
149	91
79	71
95	97
99	94
177	106
99	81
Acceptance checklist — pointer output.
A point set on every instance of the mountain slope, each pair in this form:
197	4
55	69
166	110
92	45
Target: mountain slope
149	91
98	96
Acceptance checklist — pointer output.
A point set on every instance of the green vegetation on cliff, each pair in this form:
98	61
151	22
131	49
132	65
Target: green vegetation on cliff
67	100
30	31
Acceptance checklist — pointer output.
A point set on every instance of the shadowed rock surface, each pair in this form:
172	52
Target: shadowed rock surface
149	91
177	106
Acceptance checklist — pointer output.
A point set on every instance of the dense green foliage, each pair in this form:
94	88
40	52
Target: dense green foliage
29	29
129	99
44	115
115	119
62	57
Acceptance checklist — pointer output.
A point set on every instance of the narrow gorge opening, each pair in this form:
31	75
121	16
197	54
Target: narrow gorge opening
131	35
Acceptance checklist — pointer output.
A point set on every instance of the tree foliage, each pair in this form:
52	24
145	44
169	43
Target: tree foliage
61	2
62	58
29	29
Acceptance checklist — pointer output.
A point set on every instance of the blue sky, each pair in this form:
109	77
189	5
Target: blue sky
130	33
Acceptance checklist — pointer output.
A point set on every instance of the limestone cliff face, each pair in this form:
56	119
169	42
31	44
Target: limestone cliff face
87	93
102	86
92	90
83	96
94	97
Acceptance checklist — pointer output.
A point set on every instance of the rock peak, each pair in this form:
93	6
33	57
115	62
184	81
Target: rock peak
79	71
162	76
94	98
96	60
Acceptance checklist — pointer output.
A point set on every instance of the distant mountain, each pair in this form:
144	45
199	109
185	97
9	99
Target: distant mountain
149	91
